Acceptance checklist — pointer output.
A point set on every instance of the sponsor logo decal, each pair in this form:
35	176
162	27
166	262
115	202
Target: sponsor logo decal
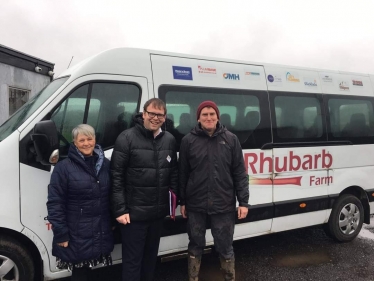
310	82
274	79
343	86
258	163
357	83
231	76
326	79
292	78
251	73
182	73
206	70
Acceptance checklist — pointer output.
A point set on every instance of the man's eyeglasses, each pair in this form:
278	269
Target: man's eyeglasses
153	115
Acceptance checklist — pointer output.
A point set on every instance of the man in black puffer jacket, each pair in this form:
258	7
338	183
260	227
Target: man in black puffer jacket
212	176
143	167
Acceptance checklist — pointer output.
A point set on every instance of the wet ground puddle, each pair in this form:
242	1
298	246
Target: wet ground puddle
302	259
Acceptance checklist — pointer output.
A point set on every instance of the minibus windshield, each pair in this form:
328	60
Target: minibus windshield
29	108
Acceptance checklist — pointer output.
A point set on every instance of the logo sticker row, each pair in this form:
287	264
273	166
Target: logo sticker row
185	73
311	82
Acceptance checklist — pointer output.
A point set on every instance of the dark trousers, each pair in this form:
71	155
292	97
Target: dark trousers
222	227
140	241
81	274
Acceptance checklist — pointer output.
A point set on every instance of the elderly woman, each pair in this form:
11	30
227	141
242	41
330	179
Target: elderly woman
78	206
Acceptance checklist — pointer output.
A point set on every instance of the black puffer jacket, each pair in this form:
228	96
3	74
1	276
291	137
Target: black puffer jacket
143	170
78	208
212	172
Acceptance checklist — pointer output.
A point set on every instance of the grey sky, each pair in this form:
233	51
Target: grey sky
329	34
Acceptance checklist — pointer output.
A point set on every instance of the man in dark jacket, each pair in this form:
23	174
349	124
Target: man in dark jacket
144	168
211	175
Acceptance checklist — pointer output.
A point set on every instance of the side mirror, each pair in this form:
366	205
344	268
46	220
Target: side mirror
45	138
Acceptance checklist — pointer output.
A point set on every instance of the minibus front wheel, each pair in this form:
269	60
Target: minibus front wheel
346	218
15	261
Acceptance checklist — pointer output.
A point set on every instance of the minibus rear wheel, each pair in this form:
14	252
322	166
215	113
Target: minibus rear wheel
15	261
346	219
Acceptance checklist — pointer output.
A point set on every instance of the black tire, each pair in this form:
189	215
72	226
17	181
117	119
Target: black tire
346	218
15	254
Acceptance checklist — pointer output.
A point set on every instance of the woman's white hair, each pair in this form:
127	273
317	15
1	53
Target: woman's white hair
83	129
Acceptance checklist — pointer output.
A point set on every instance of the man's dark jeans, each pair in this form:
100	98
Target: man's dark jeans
222	227
140	242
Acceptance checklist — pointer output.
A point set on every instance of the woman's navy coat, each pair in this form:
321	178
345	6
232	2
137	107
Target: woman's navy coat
78	208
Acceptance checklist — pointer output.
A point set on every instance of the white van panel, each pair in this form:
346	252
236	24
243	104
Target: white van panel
34	191
298	221
371	204
304	175
289	79
119	61
345	84
180	242
346	177
206	73
252	229
9	183
352	156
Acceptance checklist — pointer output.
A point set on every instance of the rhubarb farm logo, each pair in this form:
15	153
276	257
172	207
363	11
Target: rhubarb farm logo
257	164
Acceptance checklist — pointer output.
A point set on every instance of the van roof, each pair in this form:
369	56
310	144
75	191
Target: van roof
136	62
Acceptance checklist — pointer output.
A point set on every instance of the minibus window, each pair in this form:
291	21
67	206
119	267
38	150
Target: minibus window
298	117
228	115
29	108
351	118
240	112
111	107
119	102
175	112
73	110
278	113
69	114
252	116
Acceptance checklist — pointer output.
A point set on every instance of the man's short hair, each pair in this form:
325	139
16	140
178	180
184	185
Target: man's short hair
157	103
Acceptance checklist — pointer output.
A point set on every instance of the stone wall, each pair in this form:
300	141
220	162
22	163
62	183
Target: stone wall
11	76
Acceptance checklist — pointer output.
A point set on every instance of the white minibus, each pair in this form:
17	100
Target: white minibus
307	137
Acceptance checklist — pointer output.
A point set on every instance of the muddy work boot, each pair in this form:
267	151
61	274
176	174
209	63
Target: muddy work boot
193	268
228	268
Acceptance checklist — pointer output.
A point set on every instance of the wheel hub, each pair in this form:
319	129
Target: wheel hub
349	218
8	269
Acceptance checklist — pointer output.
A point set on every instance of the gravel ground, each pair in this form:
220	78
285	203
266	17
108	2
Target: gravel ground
304	254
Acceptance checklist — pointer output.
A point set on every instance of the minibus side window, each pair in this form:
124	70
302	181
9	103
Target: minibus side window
108	107
297	118
119	104
179	117
244	113
228	116
69	114
252	115
352	118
